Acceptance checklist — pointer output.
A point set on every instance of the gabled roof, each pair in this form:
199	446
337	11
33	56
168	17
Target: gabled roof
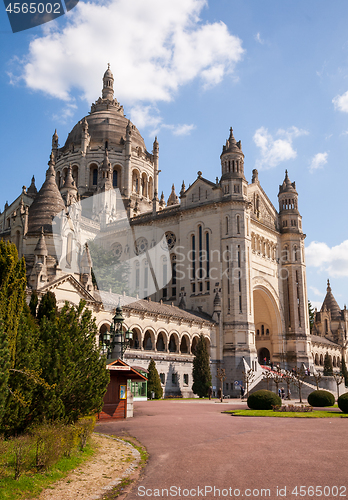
202	179
121	367
74	282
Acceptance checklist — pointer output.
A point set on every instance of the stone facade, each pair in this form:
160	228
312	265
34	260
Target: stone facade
236	265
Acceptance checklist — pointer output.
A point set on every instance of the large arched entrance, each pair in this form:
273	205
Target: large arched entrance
268	326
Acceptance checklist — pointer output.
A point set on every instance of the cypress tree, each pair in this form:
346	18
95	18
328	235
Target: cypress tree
154	381
311	315
24	377
47	307
4	369
344	371
34	300
12	293
328	368
201	369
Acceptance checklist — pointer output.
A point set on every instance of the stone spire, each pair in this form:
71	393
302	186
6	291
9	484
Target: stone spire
108	85
105	173
41	248
47	203
330	303
173	199
69	190
32	191
162	202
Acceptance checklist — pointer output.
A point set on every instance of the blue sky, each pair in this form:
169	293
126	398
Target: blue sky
277	71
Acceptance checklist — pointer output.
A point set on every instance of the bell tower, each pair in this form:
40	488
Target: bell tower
232	181
292	273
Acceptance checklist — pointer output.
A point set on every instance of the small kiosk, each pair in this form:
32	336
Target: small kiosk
118	401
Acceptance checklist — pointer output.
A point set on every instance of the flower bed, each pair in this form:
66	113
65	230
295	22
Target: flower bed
293	408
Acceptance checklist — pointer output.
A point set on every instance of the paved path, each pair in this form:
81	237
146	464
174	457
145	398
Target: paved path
192	444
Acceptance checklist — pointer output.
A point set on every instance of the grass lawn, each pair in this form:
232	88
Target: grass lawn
288	414
29	485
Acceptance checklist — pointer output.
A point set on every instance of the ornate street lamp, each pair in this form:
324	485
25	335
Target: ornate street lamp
116	341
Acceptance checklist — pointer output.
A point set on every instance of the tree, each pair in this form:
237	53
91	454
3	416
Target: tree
12	293
154	381
4	368
34	300
201	369
344	371
73	364
47	307
311	315
298	379
328	368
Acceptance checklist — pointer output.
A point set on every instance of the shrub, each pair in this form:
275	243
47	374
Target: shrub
85	428
321	398
20	455
48	445
343	402
70	439
263	400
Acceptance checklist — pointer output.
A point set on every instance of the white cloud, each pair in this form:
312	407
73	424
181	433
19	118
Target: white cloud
318	161
259	39
316	291
183	129
274	151
334	260
153	47
341	102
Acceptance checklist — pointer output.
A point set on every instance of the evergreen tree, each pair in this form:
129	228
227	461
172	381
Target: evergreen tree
328	368
4	369
34	300
154	381
47	307
201	369
24	378
12	293
344	371
311	315
72	362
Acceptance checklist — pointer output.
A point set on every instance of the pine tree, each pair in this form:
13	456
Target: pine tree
201	369
328	368
311	315
344	371
154	381
72	362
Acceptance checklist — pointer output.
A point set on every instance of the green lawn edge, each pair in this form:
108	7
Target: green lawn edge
287	414
30	485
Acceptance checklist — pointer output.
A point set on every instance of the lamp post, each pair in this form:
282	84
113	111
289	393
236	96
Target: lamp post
116	341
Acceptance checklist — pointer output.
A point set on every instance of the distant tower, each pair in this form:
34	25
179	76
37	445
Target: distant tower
293	274
233	181
108	85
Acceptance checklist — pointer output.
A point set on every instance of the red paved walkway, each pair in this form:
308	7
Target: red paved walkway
192	444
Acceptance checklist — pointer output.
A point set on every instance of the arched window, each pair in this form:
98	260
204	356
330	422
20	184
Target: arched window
114	178
227	228
95	177
238	224
207	249
193	256
200	256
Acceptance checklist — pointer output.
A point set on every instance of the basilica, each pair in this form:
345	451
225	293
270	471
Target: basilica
217	259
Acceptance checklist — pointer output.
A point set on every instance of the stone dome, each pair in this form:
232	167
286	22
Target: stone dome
104	125
47	203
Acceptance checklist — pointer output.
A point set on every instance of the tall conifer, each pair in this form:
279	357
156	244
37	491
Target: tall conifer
328	368
201	369
154	381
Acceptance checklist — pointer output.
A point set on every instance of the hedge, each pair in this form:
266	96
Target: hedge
321	398
263	400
